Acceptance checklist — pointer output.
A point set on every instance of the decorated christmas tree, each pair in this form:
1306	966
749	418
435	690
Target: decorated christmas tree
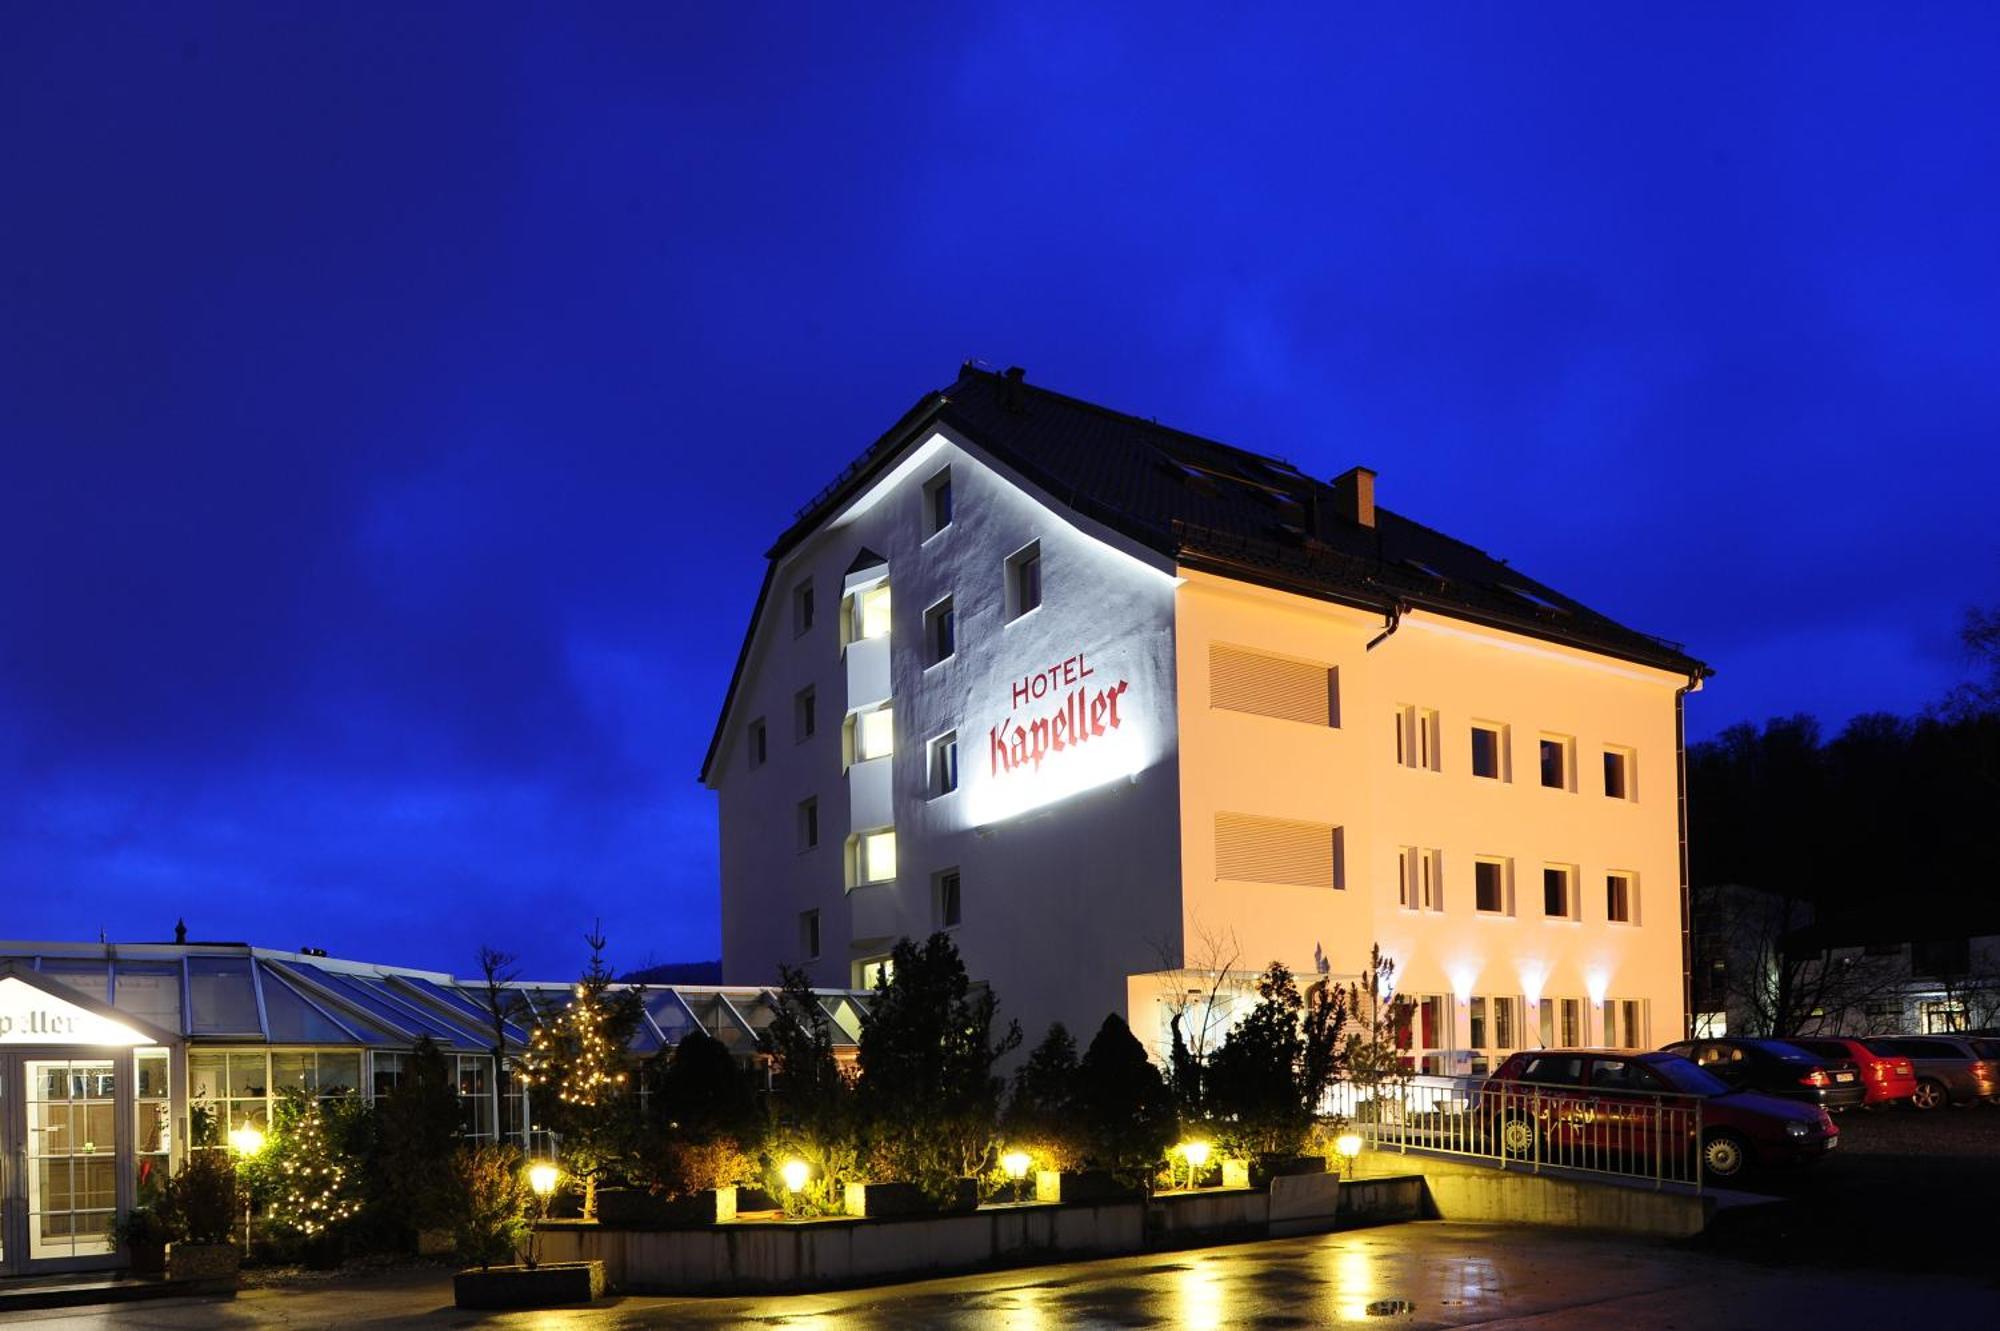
314	1183
578	1071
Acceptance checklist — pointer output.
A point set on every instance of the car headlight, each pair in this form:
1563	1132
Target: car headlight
1796	1129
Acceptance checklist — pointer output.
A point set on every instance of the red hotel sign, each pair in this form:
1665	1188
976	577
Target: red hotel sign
1083	713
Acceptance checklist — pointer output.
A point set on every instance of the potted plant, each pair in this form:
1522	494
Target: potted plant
144	1234
198	1209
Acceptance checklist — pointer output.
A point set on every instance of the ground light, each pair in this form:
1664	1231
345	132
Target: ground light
1196	1155
1016	1164
795	1173
246	1141
543	1176
1349	1146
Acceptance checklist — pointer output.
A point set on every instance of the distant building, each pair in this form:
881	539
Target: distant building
1119	707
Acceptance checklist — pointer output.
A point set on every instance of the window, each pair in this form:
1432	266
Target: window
1417	738
874	856
808	823
809	934
1711	1025
937	503
1506	1020
1489	750
1240	680
940	632
1625	1023
802	608
1492	1022
475	1097
943	764
1476	1017
874	733
1490	887
1941	1016
1421	874
874	972
1562	1021
1254	849
870	613
153	1116
1620	901
948	903
1556	761
1024	580
759	743
1558	891
1618	774
805	714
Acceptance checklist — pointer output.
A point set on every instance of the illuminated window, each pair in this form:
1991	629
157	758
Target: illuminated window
874	972
1559	891
1618	774
759	743
808	823
1557	767
1941	1016
809	934
943	764
1489	750
1490	887
937	503
940	632
802	607
1712	1025
805	713
1024	580
1417	738
874	733
1562	1021
875	856
949	904
1625	1023
1620	899
871	613
1421	874
1506	1021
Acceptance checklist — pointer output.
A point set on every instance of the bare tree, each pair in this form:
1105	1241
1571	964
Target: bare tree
504	1007
1779	980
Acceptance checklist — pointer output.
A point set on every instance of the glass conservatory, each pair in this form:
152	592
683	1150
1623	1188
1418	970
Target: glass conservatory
117	1059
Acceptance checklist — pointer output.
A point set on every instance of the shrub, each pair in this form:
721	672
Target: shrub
676	1167
409	1169
1124	1105
202	1203
491	1196
700	1093
1265	1082
1041	1113
811	1113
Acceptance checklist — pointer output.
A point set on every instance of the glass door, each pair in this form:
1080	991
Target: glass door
68	1194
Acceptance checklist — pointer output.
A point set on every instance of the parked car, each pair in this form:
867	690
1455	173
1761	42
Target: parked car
1950	1069
1775	1067
1581	1106
1889	1078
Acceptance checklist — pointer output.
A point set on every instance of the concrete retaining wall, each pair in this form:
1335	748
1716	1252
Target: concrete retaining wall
1463	1191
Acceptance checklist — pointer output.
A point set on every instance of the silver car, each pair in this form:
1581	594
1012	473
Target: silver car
1951	1070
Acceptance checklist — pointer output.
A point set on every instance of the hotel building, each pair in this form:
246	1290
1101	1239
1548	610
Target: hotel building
1117	706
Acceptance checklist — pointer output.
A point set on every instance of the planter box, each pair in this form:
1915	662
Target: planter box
546	1286
881	1200
209	1262
635	1208
148	1259
1084	1185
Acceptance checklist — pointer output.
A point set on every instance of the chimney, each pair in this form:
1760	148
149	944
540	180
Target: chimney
1011	395
1354	495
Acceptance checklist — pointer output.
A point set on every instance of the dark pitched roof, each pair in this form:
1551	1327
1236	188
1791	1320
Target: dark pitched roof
1225	510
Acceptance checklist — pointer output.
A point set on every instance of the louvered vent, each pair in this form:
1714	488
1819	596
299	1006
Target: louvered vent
1241	680
1253	849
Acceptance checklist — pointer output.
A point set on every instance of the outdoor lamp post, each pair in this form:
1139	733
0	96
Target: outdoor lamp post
246	1140
795	1173
1349	1146
1016	1164
1196	1155
542	1178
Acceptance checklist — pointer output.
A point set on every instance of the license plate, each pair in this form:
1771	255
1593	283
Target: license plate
1843	1076
1832	1142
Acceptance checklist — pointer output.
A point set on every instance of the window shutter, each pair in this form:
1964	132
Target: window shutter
1252	849
1241	680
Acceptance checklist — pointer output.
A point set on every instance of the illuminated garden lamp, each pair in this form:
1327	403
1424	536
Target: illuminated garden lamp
1196	1155
542	1178
1016	1164
1349	1146
795	1173
246	1140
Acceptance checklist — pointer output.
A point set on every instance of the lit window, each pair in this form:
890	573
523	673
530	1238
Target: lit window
1417	738
1618	774
871	612
1476	1022
1024	580
948	900
1505	1022
874	734
937	503
805	713
943	764
808	823
1625	1023
1619	898
874	972
875	857
1489	887
1711	1025
759	743
1489	751
802	607
1557	899
940	632
1556	761
809	934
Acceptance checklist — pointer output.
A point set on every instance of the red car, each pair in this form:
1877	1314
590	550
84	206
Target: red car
1890	1078
1611	1108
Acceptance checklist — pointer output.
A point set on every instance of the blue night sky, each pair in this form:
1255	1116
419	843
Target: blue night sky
396	401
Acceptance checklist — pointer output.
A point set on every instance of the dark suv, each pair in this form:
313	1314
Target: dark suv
1772	1067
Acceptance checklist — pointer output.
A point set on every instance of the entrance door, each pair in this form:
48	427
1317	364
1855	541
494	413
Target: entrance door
60	1128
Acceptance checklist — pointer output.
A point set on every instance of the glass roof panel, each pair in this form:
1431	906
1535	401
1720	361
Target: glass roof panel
86	976
717	1019
467	1000
671	1015
846	1014
220	997
371	999
150	991
291	1019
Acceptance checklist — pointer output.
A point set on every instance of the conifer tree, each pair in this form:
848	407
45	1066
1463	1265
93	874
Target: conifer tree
578	1071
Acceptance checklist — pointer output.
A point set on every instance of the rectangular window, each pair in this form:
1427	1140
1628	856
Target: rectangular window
1572	1022
870	613
949	911
1618	767
808	823
937	503
1417	738
1477	1033
1422	878
943	764
1556	762
874	856
1489	750
1024	580
1505	1022
1558	894
1625	1023
1620	901
1547	1013
1240	680
802	608
874	733
940	632
873	973
1254	849
1489	887
759	743
805	713
809	934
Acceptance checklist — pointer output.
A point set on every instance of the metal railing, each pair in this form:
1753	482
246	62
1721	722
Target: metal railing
1653	1138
